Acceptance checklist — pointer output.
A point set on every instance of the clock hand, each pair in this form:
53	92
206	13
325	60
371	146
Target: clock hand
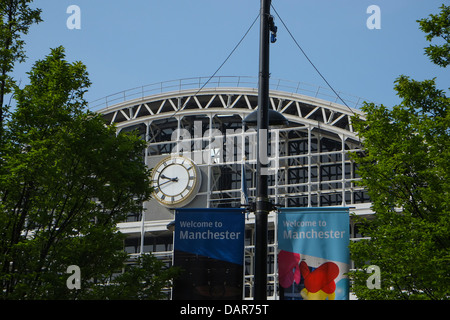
171	179
165	182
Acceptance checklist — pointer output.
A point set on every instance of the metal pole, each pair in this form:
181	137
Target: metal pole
262	200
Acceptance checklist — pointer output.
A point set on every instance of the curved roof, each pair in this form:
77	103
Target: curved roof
298	108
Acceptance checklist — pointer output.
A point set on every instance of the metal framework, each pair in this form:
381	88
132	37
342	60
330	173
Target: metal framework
310	160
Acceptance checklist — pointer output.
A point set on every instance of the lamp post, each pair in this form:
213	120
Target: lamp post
263	118
262	199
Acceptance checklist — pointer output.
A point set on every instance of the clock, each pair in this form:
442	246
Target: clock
176	181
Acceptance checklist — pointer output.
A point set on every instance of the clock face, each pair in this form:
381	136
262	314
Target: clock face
176	181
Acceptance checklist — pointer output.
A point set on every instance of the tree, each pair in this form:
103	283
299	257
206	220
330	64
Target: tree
143	280
438	26
16	17
405	166
67	179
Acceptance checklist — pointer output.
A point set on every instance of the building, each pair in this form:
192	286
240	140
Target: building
310	164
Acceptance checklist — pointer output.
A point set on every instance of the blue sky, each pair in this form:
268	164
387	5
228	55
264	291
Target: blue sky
127	44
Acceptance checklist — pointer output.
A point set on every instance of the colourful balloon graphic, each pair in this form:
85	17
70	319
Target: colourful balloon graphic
289	271
319	295
319	284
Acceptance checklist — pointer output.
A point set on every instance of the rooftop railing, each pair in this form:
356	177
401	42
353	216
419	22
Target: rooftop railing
222	82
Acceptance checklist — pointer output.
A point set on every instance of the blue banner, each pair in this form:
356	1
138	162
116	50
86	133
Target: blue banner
313	253
209	247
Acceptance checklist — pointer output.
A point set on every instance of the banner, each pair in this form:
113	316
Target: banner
313	253
209	247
